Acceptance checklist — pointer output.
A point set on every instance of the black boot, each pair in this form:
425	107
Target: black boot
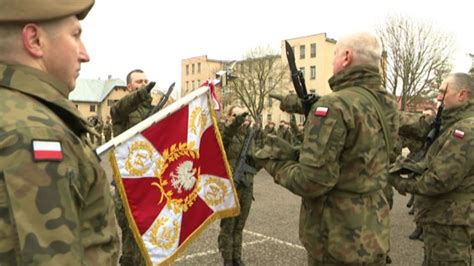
388	260
228	263
238	262
416	233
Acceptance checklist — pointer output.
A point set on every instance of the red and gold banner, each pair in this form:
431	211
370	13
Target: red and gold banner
174	178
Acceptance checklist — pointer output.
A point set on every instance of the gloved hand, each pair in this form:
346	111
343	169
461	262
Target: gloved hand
276	148
239	119
149	86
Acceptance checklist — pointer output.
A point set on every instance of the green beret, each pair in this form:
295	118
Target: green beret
41	10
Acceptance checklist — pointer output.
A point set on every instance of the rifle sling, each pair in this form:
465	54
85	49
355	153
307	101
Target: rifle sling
370	95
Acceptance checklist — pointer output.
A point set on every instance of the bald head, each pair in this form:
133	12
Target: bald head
357	49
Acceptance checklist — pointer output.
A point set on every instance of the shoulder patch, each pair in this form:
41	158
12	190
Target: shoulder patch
47	150
458	134
321	111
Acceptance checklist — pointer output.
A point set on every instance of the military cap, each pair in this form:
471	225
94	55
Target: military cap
41	10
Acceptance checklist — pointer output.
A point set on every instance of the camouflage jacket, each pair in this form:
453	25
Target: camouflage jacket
107	129
447	185
130	110
341	171
55	210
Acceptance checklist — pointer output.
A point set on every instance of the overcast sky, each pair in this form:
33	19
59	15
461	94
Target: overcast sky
156	35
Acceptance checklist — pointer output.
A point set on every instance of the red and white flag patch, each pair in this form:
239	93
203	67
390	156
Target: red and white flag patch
47	150
458	134
321	111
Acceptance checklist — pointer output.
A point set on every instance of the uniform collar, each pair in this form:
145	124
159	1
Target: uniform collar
41	86
363	75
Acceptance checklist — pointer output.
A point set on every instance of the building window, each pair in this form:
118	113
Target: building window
269	118
313	91
302	71
313	50
192	85
187	85
313	72
187	69
199	82
77	106
92	108
110	102
192	69
199	68
302	51
270	101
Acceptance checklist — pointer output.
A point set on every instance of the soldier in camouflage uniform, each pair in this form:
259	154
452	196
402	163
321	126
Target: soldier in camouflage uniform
231	229
107	129
55	203
136	106
127	112
413	130
446	178
343	161
269	128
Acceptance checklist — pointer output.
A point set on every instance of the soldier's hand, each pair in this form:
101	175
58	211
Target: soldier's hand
240	119
276	96
150	86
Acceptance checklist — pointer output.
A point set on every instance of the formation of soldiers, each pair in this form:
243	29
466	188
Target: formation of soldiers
58	207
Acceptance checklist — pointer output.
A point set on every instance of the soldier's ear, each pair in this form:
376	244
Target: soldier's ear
32	39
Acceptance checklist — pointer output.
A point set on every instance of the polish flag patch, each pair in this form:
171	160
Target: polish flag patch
458	134
47	150
321	111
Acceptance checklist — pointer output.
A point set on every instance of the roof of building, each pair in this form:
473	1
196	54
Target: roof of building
94	90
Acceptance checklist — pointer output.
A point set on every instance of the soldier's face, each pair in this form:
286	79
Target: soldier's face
137	80
63	50
455	97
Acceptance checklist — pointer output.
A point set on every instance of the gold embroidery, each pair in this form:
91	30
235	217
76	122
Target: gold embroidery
170	155
201	117
167	237
216	191
139	153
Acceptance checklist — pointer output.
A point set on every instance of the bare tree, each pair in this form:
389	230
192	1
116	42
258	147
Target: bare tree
418	57
258	74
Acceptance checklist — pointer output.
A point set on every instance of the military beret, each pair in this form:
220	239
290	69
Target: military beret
41	10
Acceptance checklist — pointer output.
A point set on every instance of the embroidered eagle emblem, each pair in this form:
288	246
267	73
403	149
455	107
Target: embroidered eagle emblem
184	178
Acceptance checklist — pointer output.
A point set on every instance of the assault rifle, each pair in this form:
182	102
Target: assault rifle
297	77
433	134
241	167
162	101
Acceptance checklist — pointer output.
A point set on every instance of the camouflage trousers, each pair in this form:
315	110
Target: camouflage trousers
131	254
446	245
230	235
334	262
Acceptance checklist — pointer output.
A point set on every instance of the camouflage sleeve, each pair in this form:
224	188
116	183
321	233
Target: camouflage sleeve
317	171
414	126
53	212
128	104
448	168
291	104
